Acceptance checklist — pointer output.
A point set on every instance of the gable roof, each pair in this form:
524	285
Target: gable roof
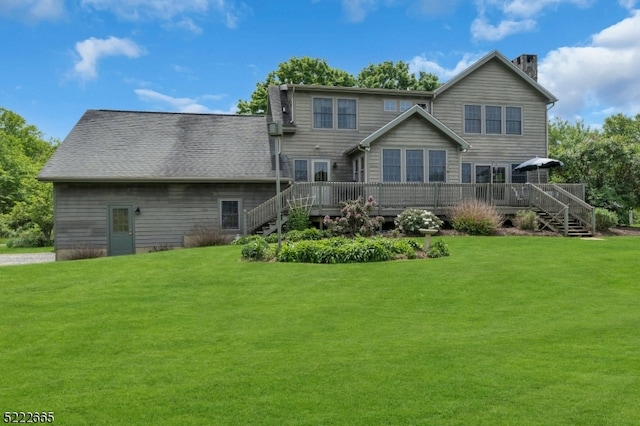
421	112
497	56
133	146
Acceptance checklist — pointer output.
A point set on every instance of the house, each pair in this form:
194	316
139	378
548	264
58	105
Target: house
127	181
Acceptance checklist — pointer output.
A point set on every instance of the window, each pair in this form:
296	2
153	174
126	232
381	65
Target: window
390	106
518	176
323	113
346	114
437	166
493	120
466	172
472	119
230	214
358	169
320	170
301	170
493	116
405	105
391	165
514	120
414	165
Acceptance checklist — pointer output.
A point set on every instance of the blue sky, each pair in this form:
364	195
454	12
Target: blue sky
62	57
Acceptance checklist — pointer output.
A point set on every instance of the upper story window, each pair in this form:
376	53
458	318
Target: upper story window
390	105
493	120
472	119
323	113
405	105
327	111
347	114
514	120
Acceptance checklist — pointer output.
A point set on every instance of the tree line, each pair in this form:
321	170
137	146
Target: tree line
26	205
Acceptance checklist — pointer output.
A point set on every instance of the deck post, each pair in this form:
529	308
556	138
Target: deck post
244	223
566	221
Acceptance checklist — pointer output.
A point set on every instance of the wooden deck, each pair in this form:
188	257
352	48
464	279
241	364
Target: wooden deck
563	202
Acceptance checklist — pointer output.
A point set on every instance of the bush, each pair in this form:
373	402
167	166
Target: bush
475	217
355	219
83	252
30	237
298	219
206	235
344	250
256	249
411	221
438	249
526	220
605	219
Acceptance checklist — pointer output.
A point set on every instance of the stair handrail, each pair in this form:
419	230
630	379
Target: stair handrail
584	212
550	205
265	212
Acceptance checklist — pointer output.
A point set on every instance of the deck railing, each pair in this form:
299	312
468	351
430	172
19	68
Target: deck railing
328	196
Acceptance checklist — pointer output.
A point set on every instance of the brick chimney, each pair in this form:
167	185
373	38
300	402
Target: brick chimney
528	64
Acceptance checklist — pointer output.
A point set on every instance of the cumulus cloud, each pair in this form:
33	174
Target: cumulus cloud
192	105
515	16
169	10
421	63
33	10
603	75
91	50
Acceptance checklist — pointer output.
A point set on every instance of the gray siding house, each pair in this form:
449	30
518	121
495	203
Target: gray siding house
126	181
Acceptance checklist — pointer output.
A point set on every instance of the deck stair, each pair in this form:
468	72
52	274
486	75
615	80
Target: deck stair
554	224
271	226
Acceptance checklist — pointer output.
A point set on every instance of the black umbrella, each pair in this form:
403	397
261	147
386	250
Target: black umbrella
537	164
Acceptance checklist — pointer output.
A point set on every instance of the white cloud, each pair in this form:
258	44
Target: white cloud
33	10
93	49
603	76
192	105
421	63
515	16
628	4
168	10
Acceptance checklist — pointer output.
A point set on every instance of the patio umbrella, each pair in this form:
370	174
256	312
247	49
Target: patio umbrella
537	164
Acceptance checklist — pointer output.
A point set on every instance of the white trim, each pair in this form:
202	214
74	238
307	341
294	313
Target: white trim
239	201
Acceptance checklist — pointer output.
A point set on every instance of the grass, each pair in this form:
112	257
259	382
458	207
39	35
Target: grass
510	330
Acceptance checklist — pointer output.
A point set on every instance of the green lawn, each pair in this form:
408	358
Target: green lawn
508	330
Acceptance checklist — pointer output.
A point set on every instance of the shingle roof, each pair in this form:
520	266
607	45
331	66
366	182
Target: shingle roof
153	146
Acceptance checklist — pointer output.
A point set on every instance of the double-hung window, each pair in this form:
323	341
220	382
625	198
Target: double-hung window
414	165
230	214
346	113
472	119
330	113
437	165
493	120
514	120
391	165
323	113
301	170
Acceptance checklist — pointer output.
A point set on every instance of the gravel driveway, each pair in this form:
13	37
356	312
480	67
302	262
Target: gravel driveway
25	258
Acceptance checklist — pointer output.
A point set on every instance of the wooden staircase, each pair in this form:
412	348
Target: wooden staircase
271	226
574	227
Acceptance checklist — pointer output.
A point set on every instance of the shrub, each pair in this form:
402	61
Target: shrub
475	217
526	220
438	249
83	252
605	219
344	250
30	237
411	221
206	235
298	219
355	219
240	241
256	249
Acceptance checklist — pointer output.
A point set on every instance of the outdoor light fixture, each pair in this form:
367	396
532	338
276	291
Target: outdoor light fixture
137	210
